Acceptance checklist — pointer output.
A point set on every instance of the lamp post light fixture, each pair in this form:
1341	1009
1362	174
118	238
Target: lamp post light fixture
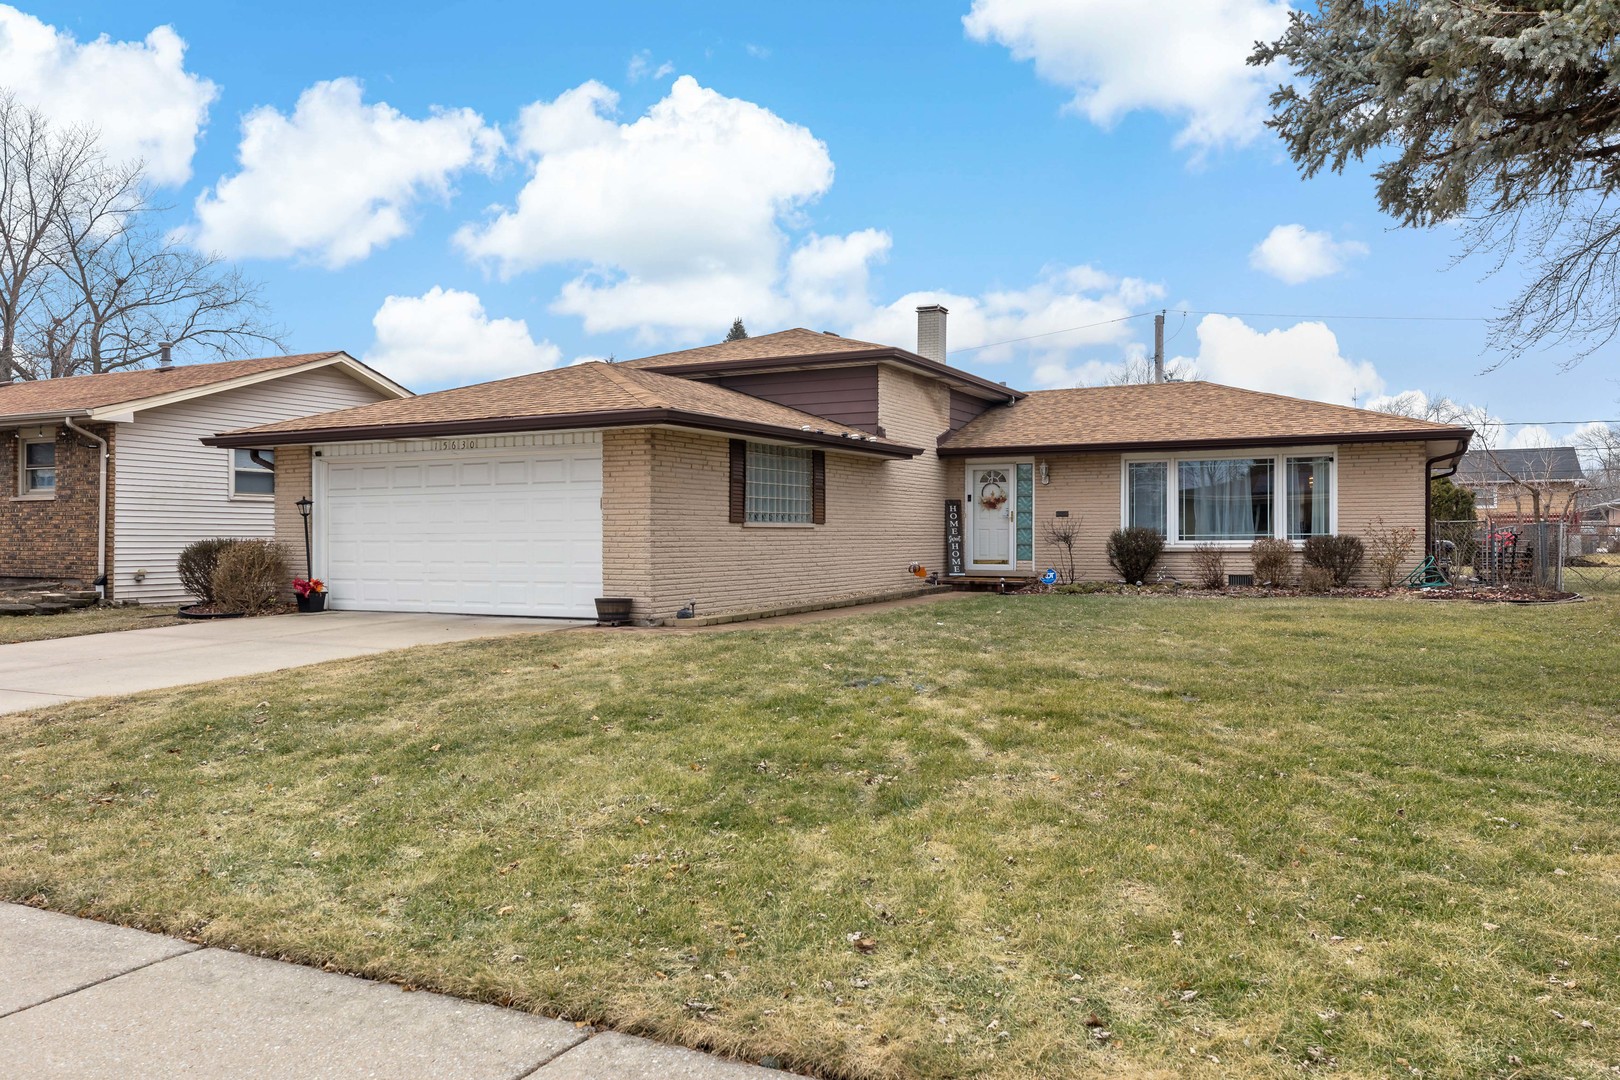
304	507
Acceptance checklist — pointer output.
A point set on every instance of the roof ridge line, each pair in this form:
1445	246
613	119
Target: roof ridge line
642	395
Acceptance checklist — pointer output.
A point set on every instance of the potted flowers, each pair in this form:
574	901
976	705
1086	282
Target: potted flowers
311	594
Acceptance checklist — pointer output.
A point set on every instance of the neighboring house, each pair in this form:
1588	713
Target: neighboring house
800	467
1515	485
109	478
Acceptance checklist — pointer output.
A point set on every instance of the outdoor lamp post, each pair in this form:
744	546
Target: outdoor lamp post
304	507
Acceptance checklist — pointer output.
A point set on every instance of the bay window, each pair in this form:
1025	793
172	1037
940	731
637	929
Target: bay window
1232	499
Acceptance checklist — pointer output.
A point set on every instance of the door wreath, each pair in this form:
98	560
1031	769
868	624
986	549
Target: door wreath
992	496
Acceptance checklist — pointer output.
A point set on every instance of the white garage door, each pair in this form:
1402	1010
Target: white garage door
476	531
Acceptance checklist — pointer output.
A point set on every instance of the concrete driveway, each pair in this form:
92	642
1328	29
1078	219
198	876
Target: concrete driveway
36	673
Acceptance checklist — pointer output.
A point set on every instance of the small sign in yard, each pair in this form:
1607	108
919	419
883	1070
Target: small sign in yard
954	566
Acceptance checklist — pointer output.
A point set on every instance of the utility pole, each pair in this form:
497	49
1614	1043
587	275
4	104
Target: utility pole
1158	347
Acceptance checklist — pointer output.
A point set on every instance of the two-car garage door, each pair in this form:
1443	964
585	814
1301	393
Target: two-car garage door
464	527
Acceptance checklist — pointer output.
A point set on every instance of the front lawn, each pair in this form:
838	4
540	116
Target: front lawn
1365	838
91	620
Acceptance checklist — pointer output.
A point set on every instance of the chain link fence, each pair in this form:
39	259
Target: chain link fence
1538	555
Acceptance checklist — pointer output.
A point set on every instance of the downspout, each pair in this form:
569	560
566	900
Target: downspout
1429	476
101	503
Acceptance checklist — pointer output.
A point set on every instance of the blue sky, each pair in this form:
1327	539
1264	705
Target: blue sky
535	186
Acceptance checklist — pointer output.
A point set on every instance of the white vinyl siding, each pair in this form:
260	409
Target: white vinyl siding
170	489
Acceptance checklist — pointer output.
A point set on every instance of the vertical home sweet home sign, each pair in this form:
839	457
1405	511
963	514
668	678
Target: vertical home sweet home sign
954	565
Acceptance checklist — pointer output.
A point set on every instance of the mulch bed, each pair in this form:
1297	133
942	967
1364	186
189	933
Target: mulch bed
1488	594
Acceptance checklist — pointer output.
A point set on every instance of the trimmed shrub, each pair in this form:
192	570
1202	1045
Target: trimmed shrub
250	576
1390	546
1340	556
198	560
1133	551
1209	566
1273	562
1315	579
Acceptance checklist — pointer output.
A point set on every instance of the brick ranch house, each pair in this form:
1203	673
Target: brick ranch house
800	467
109	478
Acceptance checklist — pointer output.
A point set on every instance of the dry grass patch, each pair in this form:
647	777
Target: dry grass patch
1248	837
96	620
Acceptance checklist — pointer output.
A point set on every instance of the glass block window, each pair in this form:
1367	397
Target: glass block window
779	484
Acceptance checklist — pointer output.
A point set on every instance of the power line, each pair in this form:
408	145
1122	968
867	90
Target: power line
1375	318
1234	314
1053	333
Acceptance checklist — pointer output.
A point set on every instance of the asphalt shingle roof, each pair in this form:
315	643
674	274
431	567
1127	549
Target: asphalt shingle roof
597	391
1542	464
81	392
1167	414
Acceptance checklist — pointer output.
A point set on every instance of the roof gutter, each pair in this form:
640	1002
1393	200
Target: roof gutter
24	419
1243	442
556	422
101	501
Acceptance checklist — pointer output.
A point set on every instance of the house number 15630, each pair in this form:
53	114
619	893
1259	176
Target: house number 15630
455	444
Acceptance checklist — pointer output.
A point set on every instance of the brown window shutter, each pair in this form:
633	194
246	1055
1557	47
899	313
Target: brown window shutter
739	481
818	487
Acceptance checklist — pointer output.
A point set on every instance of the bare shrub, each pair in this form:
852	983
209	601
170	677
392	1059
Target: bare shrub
1340	555
1062	533
1133	551
198	560
1273	562
1389	547
1315	579
1209	566
250	576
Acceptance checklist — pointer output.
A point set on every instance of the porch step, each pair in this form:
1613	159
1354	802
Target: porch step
989	582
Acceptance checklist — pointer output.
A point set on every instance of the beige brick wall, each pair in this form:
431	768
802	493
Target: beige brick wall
667	538
292	484
56	537
1375	480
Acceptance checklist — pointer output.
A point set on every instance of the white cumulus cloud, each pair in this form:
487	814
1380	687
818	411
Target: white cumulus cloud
445	338
681	218
1184	58
1302	360
337	178
136	94
1295	254
1038	322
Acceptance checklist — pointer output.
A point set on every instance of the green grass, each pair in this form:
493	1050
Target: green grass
96	620
1372	838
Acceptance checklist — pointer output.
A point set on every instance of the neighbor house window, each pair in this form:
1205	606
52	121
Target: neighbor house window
1231	500
253	472
780	485
38	461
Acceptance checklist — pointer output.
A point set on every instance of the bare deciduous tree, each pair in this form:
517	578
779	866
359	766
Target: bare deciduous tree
88	281
1139	369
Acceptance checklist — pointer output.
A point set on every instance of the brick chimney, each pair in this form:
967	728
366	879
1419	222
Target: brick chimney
931	332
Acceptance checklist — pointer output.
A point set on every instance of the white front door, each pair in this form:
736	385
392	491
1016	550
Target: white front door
992	497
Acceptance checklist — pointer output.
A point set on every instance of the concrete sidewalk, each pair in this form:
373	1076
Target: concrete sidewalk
36	673
85	1000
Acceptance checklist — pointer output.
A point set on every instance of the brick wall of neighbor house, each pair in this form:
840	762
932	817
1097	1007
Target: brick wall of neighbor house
1375	480
667	538
292	484
56	538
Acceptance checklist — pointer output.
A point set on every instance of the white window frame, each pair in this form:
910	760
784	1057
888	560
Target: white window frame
1486	497
24	491
1278	456
230	477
